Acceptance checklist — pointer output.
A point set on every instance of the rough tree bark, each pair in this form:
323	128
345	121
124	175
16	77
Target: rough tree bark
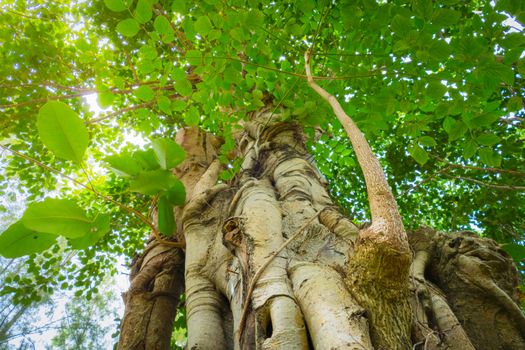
270	263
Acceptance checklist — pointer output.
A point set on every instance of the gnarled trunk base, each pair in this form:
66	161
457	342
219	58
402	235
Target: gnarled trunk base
330	287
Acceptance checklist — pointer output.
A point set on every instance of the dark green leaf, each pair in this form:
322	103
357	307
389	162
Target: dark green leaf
165	217
516	251
514	104
445	17
487	139
176	194
469	149
62	131
427	141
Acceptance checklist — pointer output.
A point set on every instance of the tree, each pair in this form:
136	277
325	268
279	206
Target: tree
255	202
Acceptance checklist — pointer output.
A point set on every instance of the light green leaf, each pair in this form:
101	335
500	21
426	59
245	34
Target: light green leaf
194	57
487	139
427	141
18	241
147	159
489	157
145	93
57	216
183	87
151	182
143	11
117	5
62	131
98	230
418	153
179	6
128	27
165	218
168	152
192	116
164	104
176	194
105	99
124	164
203	25
162	25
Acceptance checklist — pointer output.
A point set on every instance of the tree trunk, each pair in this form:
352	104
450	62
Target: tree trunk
270	263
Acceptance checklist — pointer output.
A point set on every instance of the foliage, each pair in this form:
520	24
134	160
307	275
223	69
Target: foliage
436	86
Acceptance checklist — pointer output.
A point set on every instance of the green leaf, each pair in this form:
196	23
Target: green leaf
145	93
147	159
162	25
143	11
117	5
489	157
18	241
514	104
179	6
128	27
401	25
203	25
192	116
164	104
183	87
62	131
469	149
105	99
418	153
194	57
124	164
168	152
57	216
445	17
516	251
487	139
422	8
165	218
427	141
98	230
176	194
151	182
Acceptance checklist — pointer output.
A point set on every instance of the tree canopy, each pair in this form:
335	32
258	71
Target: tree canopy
436	86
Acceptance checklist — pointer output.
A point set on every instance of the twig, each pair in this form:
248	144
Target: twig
492	170
142	218
260	271
486	184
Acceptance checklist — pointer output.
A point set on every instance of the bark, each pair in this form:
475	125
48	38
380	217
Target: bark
270	263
